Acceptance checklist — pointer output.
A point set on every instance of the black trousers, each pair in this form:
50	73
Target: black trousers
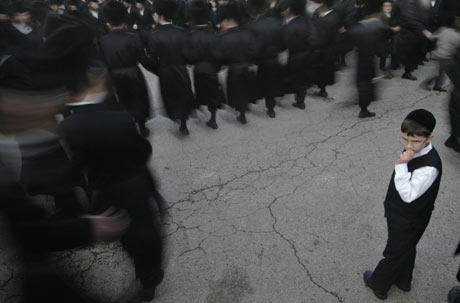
399	254
364	75
142	241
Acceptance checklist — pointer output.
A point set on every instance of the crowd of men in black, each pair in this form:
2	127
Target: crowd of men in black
81	59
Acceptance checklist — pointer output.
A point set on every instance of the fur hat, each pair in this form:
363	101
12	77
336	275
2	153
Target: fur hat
165	8
114	12
422	117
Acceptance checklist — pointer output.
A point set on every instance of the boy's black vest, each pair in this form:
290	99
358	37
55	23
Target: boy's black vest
421	207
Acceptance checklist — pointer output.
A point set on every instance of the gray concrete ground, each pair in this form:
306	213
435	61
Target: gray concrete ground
280	210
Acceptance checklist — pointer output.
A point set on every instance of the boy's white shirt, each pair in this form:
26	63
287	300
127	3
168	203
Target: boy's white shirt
412	186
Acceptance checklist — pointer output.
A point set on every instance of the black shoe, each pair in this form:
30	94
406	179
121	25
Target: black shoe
367	277
300	105
321	94
184	130
242	119
212	124
145	132
439	89
271	113
408	76
403	286
366	114
148	292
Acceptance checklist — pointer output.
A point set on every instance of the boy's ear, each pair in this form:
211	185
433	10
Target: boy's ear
430	138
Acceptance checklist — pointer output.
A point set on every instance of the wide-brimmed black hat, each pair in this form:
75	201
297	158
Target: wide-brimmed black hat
114	12
165	8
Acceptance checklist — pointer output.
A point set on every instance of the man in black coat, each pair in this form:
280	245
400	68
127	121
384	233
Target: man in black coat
91	14
106	144
268	31
325	25
122	51
410	40
369	36
166	48
454	105
199	53
296	40
141	18
229	52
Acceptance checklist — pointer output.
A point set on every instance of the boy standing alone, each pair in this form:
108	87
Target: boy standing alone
408	204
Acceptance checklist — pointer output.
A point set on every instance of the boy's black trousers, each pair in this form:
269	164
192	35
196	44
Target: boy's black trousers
399	255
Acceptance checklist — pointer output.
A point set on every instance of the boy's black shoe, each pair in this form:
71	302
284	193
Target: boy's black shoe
366	114
403	286
271	113
408	76
300	105
367	277
439	89
454	295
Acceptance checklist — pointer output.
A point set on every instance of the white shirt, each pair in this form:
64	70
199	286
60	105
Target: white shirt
411	186
90	99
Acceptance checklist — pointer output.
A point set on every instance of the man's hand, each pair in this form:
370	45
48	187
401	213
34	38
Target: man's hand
110	225
427	33
405	157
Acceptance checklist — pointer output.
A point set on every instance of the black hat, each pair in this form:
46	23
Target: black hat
114	12
56	2
165	8
66	35
19	7
198	11
231	10
255	7
422	117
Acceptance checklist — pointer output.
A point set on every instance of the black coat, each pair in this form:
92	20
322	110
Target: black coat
324	31
237	49
409	42
296	39
268	31
13	74
122	51
106	143
198	52
166	47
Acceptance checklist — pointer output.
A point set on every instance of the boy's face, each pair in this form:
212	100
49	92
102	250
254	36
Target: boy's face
415	143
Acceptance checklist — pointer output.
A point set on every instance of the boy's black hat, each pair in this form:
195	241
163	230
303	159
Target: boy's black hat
165	8
114	12
422	117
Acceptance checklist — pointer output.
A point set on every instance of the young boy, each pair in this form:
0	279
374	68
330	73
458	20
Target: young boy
408	204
